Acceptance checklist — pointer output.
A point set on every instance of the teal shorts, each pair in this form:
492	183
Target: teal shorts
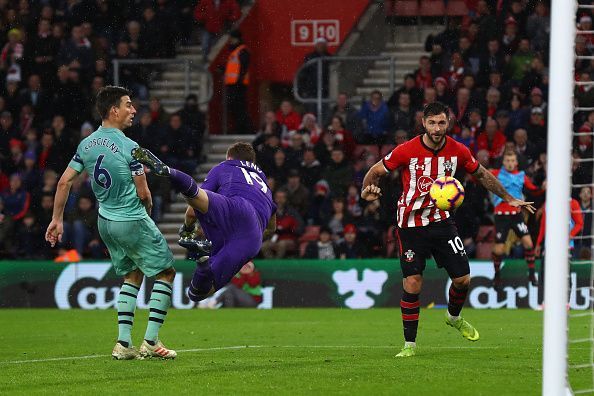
135	244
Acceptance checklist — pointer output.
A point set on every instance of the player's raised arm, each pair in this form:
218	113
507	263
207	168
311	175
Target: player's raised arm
491	183
370	190
55	230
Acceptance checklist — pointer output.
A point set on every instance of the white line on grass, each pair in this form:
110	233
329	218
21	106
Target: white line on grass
223	348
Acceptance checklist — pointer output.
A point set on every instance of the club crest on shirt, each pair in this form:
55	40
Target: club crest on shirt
409	256
448	166
424	184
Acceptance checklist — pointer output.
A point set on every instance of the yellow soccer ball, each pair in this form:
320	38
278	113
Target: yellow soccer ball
447	193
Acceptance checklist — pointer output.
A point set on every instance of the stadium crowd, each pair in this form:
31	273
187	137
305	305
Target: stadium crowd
490	67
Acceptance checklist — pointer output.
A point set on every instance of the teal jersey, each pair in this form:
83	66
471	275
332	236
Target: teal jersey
106	156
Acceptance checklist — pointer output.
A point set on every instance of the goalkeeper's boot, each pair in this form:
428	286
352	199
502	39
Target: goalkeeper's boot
121	352
158	350
149	159
408	351
466	329
196	248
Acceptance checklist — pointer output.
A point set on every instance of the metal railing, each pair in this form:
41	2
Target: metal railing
206	85
319	100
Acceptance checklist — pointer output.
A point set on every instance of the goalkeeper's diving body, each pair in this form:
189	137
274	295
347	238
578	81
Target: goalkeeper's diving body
136	246
234	207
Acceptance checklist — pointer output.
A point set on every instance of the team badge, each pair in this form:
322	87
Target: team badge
448	165
409	256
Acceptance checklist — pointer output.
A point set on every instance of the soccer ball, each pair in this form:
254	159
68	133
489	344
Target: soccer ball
447	193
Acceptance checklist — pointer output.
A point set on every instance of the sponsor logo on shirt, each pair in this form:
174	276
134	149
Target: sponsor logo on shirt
424	184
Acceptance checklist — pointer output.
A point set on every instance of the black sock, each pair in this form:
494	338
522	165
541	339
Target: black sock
410	308
456	301
124	343
151	343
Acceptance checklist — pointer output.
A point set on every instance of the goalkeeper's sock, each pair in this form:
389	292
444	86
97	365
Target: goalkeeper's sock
496	262
529	257
457	299
410	308
126	307
159	303
202	282
184	183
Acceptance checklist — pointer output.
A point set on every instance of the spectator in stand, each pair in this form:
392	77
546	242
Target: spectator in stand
429	95
487	24
308	78
152	29
214	16
466	138
524	147
537	130
42	50
244	290
6	232
461	107
31	177
342	136
347	113
309	129
535	77
519	63
403	114
338	173
193	118
265	153
237	80
492	102
337	218
409	87
81	231
29	239
16	162
269	126
352	201
36	97
375	115
78	48
294	152
370	228
456	71
476	94
537	100
491	61
538	27
351	247
43	209
280	168
321	203
584	94
12	55
502	118
423	77
180	145
297	194
310	169
287	117
469	54
289	225
322	249
442	92
16	199
157	112
511	39
439	60
132	75
492	140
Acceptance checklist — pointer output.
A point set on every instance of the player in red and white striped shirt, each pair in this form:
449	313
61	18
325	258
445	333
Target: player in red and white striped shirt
425	230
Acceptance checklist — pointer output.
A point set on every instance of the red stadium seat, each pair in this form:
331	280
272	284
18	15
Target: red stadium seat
432	8
302	247
311	233
456	8
406	8
484	250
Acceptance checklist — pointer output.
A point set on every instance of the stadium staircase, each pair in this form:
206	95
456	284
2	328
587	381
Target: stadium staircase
407	48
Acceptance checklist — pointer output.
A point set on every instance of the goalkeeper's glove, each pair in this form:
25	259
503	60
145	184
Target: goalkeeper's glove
187	232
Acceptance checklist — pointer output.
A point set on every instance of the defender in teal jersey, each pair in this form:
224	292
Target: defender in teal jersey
136	246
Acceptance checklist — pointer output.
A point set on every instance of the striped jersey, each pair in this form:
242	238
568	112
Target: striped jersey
420	166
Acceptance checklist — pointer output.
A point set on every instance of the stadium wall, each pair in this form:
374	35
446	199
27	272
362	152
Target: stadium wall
356	284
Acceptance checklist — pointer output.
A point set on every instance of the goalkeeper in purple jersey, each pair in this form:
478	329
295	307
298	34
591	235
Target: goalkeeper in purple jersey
235	209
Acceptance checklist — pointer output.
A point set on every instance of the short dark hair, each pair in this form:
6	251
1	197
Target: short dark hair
242	151
109	97
435	108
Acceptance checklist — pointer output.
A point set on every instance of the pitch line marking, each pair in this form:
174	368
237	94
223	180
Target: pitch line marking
57	359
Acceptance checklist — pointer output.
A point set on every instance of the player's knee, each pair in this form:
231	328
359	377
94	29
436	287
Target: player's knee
499	249
462	283
134	277
412	284
168	275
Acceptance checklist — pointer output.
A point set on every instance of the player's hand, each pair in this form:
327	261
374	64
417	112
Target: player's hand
518	203
54	232
537	251
186	232
371	193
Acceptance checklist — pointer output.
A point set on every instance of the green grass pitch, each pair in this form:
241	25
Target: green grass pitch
280	351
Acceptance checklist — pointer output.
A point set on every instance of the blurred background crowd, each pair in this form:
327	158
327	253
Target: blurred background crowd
490	67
